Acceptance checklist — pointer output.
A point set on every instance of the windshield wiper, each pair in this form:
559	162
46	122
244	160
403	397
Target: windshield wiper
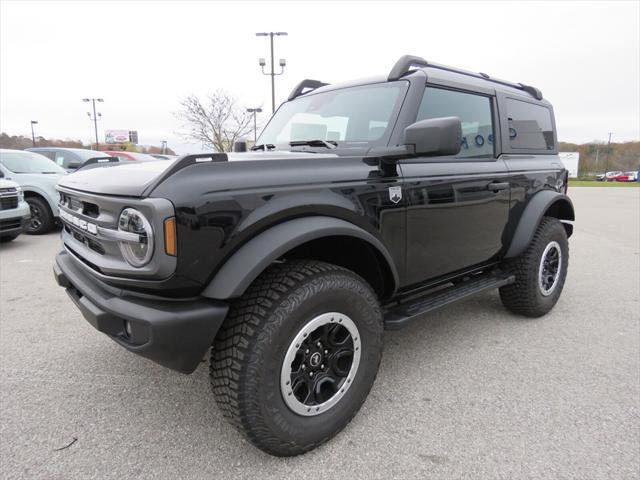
263	146
314	143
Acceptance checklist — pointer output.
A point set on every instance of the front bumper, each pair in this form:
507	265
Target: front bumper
14	226
173	333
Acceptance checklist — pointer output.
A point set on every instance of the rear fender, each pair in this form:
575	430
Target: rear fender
544	203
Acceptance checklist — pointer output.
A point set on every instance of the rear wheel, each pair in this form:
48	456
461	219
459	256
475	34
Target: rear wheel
297	355
41	216
540	271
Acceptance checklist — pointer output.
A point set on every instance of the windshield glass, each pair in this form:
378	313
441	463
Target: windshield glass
28	162
349	115
87	154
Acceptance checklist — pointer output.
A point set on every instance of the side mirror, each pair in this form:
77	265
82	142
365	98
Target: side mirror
435	136
1	174
73	165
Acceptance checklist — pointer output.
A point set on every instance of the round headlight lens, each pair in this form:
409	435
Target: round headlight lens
137	254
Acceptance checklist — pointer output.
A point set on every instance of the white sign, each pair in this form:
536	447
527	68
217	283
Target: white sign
570	161
116	136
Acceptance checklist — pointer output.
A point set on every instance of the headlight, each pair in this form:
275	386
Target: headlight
20	194
137	254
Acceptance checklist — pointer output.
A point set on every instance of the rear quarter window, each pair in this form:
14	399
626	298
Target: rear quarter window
530	126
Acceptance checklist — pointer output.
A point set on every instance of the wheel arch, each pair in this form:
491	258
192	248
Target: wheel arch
545	203
35	193
322	238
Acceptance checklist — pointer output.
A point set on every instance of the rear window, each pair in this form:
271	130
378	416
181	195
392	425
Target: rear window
530	126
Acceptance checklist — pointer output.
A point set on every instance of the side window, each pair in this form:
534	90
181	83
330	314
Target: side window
62	159
530	126
47	154
474	112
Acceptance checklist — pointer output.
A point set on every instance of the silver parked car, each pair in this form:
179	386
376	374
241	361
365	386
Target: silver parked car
38	177
68	158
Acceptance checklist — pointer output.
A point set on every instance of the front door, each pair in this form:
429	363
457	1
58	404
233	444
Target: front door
457	207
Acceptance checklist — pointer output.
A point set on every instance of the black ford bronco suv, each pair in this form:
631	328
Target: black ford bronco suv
362	206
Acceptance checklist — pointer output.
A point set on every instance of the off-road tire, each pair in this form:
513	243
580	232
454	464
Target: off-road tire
249	349
524	296
46	220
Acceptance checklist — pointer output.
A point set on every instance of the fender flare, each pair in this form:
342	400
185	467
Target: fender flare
45	196
541	203
244	266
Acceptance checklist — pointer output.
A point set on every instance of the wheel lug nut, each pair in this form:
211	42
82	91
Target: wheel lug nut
311	374
322	366
306	351
304	366
326	351
318	345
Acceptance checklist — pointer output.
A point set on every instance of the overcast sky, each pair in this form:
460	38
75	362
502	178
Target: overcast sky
142	57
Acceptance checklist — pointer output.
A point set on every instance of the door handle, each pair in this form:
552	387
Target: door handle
497	186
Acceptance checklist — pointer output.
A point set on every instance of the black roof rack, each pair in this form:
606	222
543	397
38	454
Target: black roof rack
99	160
406	62
307	85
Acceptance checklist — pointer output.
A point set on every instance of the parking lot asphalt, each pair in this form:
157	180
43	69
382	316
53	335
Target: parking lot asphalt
471	391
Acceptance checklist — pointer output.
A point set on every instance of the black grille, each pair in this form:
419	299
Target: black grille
7	203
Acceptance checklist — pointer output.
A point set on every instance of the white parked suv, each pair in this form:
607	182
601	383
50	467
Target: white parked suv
14	211
38	177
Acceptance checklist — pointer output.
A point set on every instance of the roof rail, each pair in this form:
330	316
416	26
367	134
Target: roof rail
404	64
306	84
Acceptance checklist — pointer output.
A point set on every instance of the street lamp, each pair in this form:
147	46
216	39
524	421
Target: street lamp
255	128
606	158
262	63
33	136
96	116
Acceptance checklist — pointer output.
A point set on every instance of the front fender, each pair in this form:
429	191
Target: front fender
546	202
239	271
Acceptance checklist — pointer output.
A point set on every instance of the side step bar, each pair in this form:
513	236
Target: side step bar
401	315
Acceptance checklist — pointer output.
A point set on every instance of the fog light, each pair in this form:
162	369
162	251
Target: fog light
127	328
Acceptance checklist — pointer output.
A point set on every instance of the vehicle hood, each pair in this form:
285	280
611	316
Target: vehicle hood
38	181
130	179
7	183
133	179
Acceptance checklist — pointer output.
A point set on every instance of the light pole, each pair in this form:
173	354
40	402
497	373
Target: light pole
273	74
606	158
255	125
33	136
96	116
164	147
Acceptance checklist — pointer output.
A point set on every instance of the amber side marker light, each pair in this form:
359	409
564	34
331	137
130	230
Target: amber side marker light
170	247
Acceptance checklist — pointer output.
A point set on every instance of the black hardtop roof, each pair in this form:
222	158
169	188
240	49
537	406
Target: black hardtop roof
407	65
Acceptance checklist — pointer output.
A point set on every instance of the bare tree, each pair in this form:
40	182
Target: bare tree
216	121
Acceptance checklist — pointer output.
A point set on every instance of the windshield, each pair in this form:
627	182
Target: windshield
28	162
88	154
349	115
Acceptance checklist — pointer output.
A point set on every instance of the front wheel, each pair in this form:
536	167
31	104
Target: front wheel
41	216
297	355
540	271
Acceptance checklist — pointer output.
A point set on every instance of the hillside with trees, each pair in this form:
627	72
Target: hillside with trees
600	157
20	142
